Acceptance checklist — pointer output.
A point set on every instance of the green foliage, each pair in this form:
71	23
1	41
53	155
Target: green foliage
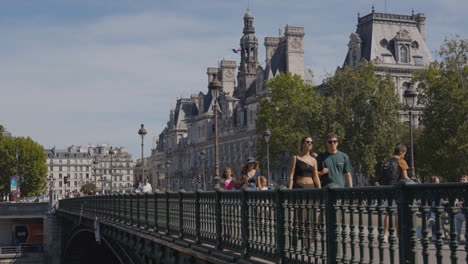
89	188
359	106
445	117
32	169
366	111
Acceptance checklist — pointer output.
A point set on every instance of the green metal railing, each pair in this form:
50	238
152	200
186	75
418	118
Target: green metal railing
330	225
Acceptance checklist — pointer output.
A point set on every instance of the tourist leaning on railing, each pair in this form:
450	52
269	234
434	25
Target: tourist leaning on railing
249	174
227	180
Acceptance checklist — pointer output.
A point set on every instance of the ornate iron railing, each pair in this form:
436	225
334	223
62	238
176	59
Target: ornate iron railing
330	225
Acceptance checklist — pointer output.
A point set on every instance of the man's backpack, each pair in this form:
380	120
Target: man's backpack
389	172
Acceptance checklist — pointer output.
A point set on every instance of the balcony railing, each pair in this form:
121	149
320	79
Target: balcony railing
330	225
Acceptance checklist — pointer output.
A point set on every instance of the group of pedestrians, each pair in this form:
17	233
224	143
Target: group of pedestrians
249	178
312	170
145	187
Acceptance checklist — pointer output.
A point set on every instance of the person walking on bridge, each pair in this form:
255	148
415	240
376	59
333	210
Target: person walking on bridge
334	166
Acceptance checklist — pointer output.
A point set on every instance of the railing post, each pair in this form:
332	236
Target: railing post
167	212
146	212
280	253
130	217
244	225
406	226
218	219
332	226
138	224
197	218
181	213
155	212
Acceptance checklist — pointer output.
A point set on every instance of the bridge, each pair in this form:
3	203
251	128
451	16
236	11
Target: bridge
329	225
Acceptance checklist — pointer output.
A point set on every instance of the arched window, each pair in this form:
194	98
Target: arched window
403	54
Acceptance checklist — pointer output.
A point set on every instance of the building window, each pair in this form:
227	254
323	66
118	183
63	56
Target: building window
60	161
403	54
418	60
387	58
60	168
60	183
60	175
76	184
87	175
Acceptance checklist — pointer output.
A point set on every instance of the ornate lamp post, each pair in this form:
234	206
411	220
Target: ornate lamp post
215	86
168	165
202	157
111	153
142	132
267	135
410	98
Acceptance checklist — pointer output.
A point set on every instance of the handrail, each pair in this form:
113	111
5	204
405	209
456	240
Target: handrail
329	225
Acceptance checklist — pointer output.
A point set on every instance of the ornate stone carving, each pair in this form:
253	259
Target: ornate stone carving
296	43
229	74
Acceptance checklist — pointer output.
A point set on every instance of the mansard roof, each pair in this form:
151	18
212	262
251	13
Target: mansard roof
379	31
278	60
185	108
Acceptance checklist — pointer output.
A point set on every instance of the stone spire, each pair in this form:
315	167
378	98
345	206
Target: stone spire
249	55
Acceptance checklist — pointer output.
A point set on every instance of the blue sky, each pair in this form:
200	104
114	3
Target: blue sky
91	71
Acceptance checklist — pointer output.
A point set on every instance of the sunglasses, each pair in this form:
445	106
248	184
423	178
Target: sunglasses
308	142
332	141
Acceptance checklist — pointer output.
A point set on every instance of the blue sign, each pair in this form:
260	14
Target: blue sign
13	184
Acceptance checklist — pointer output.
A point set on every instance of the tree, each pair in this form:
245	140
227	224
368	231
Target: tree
444	88
367	113
361	107
291	110
32	169
89	188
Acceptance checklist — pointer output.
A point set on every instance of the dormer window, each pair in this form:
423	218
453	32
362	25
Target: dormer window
403	54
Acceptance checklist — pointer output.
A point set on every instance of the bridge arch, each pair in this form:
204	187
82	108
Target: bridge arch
82	248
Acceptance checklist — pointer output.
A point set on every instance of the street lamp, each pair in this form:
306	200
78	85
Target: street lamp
202	156
111	152
215	86
168	165
267	135
410	98
142	132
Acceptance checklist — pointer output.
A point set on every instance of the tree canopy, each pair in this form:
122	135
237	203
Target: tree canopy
89	188
32	169
444	87
359	106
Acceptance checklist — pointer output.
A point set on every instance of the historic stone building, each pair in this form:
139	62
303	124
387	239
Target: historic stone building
188	140
396	45
185	148
78	164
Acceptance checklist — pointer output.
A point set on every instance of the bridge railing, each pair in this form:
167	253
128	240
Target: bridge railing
330	225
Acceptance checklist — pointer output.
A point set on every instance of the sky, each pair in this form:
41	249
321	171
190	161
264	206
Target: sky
91	71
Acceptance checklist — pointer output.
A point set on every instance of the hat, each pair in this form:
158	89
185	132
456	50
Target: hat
251	160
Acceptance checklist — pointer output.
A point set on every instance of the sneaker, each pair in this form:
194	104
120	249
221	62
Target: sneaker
430	222
385	239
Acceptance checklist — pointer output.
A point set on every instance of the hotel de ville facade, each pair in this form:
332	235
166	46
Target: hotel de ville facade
184	150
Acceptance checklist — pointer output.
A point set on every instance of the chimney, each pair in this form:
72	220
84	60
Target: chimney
420	22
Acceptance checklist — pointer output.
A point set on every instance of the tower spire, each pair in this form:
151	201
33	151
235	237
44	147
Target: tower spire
249	55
